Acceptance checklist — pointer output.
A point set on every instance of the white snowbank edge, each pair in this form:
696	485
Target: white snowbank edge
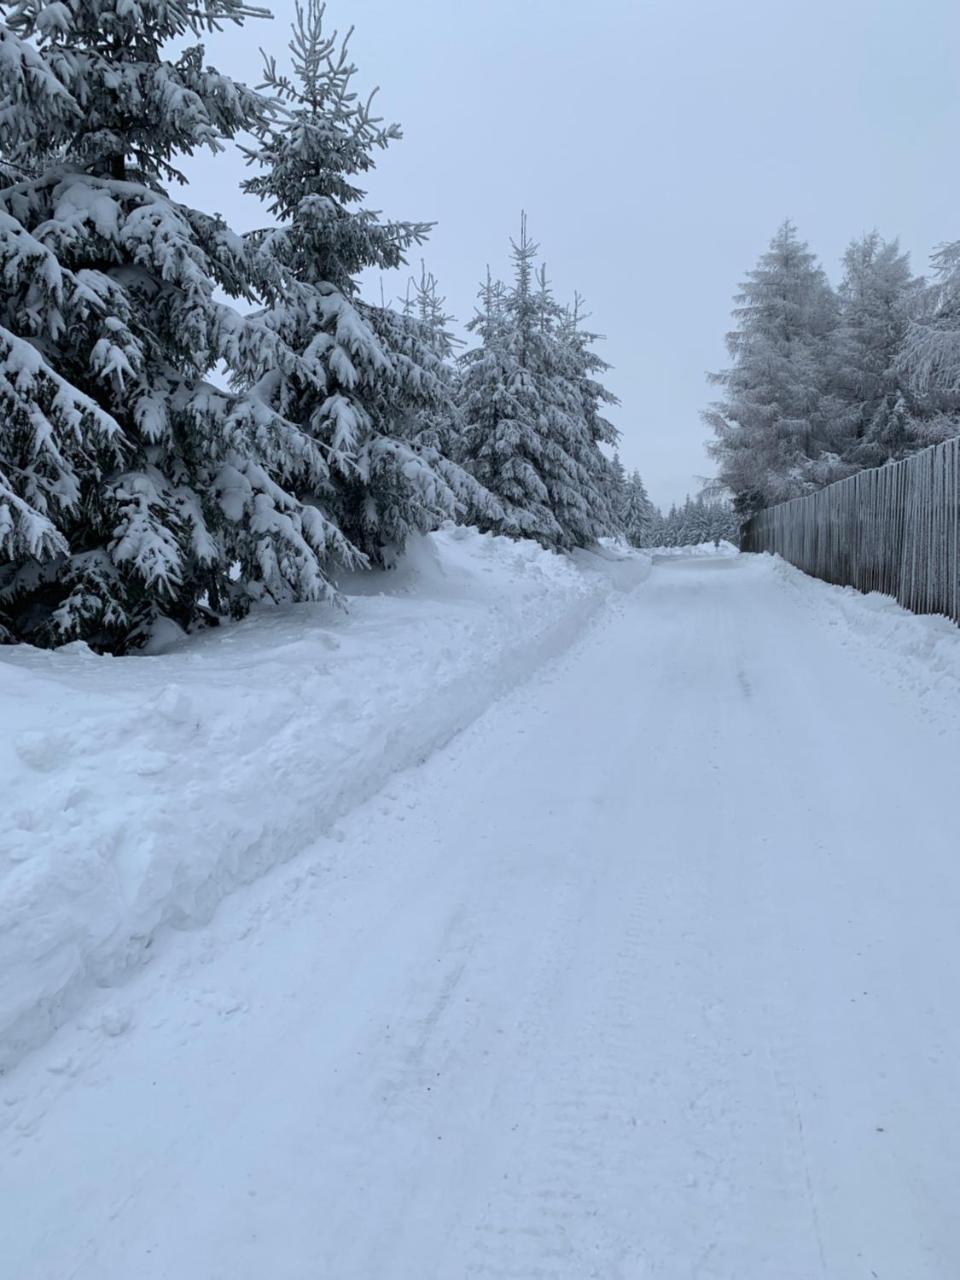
918	652
143	790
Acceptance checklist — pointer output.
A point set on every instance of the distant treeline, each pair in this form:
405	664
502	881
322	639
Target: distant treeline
705	518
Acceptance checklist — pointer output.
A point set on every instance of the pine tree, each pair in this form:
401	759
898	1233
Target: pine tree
777	423
721	521
618	489
531	411
487	405
929	362
504	437
686	525
437	426
670	530
637	513
705	518
876	295
367	380
130	487
583	368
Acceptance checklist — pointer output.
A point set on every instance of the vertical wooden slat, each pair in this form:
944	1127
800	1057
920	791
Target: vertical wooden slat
894	529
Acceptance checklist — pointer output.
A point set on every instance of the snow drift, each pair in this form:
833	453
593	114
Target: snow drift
140	791
918	654
695	550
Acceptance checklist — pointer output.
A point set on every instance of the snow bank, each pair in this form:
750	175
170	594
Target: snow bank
917	653
723	548
139	791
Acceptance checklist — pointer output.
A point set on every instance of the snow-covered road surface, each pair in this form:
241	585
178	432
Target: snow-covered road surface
653	972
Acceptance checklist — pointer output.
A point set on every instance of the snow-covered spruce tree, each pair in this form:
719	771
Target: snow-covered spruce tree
777	428
929	361
689	525
675	526
705	518
579	478
498	447
876	296
669	527
435	423
582	368
131	487
369	381
661	530
637	513
504	442
714	519
618	488
531	412
723	524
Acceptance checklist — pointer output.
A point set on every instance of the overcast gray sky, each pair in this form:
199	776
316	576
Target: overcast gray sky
656	145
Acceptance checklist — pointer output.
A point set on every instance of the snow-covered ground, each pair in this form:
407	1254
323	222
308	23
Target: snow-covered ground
140	791
697	550
650	972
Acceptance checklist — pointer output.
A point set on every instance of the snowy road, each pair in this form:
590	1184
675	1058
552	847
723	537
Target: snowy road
652	972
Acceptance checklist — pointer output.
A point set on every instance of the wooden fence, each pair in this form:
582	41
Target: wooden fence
894	529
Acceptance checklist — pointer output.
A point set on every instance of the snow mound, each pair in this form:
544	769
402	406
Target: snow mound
141	790
918	653
723	548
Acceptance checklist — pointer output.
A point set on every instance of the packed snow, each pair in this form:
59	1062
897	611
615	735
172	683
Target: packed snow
649	971
553	909
143	789
699	550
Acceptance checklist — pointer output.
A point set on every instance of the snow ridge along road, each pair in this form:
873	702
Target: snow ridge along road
142	791
651	972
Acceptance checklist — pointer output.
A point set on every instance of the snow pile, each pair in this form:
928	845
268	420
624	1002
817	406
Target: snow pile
711	548
140	790
918	653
